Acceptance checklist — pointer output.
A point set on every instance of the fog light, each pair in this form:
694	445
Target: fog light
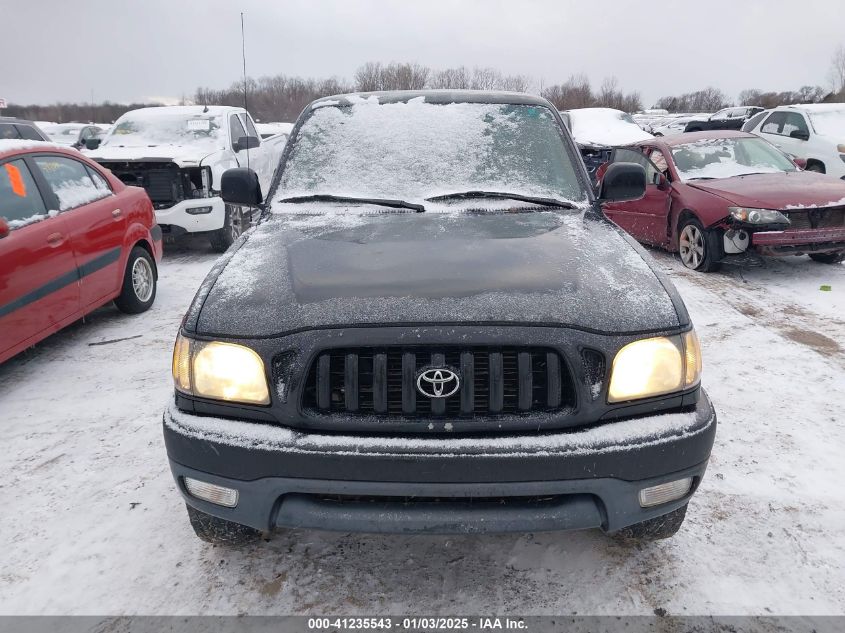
198	210
664	493
212	493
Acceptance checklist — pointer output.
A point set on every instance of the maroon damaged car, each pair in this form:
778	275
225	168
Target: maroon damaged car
722	196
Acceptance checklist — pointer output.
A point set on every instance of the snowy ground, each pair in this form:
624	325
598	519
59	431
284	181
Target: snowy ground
91	522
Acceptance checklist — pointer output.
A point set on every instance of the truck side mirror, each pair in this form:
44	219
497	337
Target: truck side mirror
622	181
4	228
93	143
801	135
240	186
246	142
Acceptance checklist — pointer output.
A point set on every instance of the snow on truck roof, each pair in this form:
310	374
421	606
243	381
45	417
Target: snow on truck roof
435	96
169	111
818	108
604	127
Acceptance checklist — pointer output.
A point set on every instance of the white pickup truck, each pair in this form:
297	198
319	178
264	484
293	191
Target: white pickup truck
179	153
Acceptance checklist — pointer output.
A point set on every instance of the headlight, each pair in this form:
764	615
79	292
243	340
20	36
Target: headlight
758	216
655	366
223	371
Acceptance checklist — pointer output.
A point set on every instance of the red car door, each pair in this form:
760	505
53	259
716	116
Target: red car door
96	224
645	219
39	282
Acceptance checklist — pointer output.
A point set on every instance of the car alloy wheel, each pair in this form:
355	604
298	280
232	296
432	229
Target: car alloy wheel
691	246
142	279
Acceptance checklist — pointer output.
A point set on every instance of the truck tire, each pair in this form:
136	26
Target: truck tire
217	531
654	529
816	167
139	283
234	224
835	257
698	247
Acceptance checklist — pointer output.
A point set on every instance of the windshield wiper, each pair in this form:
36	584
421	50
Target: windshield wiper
546	202
323	197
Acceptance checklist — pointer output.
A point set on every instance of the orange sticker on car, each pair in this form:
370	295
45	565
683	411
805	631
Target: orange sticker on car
16	180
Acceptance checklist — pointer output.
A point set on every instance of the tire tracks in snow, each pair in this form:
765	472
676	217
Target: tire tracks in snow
746	291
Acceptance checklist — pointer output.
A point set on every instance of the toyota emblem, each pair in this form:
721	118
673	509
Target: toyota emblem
438	382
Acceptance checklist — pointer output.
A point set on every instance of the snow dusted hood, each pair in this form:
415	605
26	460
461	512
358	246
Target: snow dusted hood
297	272
783	190
182	155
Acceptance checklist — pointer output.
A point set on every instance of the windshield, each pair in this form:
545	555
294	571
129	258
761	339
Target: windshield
63	135
830	123
415	150
149	129
728	157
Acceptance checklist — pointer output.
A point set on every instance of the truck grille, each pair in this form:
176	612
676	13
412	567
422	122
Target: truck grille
816	218
493	382
164	183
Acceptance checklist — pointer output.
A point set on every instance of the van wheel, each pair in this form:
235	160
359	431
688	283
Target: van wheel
212	529
654	529
698	247
139	283
835	257
234	224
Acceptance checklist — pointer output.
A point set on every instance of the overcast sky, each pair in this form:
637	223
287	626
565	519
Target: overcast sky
55	50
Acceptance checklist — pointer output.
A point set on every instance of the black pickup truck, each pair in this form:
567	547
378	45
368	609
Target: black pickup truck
725	119
434	328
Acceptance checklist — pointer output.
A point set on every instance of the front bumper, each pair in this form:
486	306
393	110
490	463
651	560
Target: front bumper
178	216
550	481
799	241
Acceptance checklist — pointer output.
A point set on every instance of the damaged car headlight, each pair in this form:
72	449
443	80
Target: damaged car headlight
757	216
222	371
654	367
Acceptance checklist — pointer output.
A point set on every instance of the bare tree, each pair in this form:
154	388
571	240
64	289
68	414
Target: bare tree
837	70
369	77
451	78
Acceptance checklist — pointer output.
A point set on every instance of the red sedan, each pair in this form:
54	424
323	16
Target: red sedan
72	238
722	195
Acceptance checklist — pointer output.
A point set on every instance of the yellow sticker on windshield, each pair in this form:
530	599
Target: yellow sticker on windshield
16	180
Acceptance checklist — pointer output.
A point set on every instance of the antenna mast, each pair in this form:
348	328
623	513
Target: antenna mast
243	56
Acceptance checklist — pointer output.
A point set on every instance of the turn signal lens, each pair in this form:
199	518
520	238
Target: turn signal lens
664	493
182	364
692	358
220	495
650	367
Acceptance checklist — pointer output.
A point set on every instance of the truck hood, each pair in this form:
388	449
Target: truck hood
182	155
298	272
777	191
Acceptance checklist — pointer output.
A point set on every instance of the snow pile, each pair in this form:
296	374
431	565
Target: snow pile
73	194
179	126
610	436
824	205
604	127
16	224
415	149
830	122
17	145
